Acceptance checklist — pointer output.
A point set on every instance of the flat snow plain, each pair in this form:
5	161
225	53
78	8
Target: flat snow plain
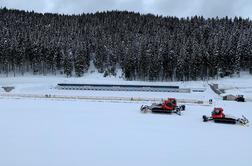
39	132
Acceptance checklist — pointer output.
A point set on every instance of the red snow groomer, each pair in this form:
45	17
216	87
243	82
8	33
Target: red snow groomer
219	117
168	106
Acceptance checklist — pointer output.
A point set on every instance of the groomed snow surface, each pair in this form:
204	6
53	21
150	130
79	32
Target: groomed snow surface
39	132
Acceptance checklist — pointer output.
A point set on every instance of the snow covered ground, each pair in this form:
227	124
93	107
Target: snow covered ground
46	85
237	86
36	131
62	133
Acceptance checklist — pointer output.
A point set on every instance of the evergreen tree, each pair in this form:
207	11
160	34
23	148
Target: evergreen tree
80	63
145	47
68	66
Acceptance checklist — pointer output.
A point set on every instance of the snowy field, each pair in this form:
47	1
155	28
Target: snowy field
237	86
63	133
39	85
39	132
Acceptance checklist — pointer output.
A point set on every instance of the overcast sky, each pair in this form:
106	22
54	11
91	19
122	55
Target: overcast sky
179	8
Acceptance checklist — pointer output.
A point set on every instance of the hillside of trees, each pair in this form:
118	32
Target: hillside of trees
145	47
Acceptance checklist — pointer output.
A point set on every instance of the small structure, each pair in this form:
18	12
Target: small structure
238	98
8	88
229	97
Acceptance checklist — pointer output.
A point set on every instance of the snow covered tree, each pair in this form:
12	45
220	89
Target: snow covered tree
68	66
145	47
81	63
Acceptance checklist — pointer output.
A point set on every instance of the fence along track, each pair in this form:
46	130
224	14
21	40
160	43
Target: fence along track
100	98
112	87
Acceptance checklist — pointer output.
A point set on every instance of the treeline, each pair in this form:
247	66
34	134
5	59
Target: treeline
145	47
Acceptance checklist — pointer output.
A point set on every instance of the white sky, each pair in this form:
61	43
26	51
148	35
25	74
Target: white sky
179	8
